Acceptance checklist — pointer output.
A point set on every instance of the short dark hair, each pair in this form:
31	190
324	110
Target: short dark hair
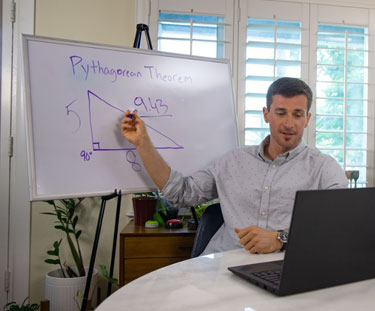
289	87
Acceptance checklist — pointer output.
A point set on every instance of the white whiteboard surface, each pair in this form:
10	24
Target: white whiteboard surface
76	94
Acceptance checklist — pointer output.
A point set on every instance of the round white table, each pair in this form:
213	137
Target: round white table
204	283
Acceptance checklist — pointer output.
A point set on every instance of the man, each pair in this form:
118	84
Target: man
256	185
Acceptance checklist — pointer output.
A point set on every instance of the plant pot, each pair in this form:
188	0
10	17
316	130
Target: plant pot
144	209
66	294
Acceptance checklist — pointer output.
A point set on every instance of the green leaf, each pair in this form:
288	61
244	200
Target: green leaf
159	219
58	214
75	220
65	202
78	234
76	257
103	269
52	261
71	272
105	274
145	195
52	253
61	210
49	213
56	245
60	228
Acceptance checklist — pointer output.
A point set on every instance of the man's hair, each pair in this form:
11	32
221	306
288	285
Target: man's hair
289	87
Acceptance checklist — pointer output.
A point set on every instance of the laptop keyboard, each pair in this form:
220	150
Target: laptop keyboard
272	276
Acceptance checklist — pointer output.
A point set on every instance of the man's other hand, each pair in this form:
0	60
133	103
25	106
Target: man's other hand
257	240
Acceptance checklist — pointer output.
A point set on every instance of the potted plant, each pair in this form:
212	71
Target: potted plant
144	206
67	280
13	306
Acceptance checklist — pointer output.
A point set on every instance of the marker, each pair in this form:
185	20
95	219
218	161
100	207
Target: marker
131	115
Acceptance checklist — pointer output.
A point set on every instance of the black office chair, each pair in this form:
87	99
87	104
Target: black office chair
210	222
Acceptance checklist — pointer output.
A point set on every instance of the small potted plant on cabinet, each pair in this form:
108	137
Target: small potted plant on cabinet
144	206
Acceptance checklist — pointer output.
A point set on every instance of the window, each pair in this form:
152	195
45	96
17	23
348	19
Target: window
328	46
341	95
273	51
199	35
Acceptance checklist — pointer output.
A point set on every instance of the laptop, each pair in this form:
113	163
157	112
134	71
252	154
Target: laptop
331	242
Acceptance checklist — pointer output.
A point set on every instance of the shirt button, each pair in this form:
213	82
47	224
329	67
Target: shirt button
274	166
266	187
264	214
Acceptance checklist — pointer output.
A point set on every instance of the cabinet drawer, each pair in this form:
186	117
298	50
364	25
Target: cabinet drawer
134	268
154	247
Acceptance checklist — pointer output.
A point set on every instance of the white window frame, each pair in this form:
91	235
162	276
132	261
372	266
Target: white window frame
226	8
223	8
336	15
15	188
272	10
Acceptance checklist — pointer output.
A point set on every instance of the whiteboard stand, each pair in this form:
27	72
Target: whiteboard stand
96	242
138	36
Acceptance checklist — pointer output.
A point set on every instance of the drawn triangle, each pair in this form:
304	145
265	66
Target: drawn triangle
105	120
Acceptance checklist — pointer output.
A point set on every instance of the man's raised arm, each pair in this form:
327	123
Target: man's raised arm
134	130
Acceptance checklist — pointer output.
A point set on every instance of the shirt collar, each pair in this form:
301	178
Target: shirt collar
285	156
265	142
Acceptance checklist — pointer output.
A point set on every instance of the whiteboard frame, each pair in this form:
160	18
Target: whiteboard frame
34	196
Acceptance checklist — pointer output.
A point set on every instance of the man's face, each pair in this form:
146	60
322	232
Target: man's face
288	118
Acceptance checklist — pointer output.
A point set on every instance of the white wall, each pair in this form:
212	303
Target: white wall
109	22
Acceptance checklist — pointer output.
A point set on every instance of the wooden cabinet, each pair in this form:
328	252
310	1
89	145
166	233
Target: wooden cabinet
143	250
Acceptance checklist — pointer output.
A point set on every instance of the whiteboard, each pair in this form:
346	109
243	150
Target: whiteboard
76	94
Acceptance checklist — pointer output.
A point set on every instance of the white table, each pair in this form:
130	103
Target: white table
204	283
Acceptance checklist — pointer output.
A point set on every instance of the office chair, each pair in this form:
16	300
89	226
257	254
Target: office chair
210	222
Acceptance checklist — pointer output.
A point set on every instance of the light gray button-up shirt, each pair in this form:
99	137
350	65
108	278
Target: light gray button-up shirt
254	190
